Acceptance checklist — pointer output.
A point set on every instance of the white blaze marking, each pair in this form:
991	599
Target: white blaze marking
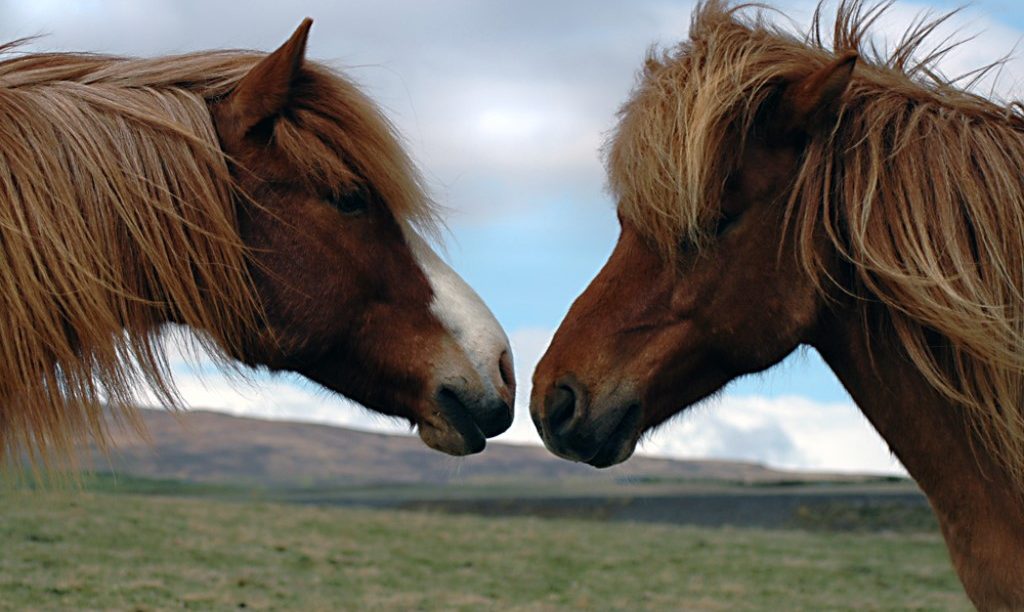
462	312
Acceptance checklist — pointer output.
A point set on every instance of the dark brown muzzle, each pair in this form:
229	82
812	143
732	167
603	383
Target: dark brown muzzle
574	426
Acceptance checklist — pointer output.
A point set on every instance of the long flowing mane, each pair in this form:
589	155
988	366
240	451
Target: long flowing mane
919	187
118	212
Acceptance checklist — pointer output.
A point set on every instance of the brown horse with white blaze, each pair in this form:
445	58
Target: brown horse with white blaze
774	191
260	200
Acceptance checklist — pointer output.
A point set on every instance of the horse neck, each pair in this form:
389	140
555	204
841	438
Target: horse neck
979	510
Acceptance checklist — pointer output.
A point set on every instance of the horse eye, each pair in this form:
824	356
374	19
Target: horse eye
725	221
353	202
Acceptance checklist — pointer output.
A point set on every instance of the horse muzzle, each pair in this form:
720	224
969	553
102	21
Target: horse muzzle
468	408
601	431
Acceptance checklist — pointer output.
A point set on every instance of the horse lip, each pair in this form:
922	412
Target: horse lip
621	443
499	419
457	416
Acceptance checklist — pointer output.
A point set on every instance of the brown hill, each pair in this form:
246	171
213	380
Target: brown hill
211	447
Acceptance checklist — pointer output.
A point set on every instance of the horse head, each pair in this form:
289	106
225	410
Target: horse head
351	295
693	296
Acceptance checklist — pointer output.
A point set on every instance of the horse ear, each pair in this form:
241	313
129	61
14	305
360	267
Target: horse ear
266	89
813	102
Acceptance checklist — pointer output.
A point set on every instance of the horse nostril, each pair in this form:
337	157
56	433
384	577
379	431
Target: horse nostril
561	407
507	373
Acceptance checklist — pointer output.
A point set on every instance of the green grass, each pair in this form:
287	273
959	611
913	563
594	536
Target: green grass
69	550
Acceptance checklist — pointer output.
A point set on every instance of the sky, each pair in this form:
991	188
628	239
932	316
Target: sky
505	106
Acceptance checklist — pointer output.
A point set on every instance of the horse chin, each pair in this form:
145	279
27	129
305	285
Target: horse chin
450	440
456	439
617	449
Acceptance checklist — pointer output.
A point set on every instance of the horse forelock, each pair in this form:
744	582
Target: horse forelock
118	212
918	186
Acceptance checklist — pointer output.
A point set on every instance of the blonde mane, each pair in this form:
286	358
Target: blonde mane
919	187
118	213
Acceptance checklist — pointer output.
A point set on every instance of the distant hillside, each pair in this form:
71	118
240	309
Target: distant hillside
211	447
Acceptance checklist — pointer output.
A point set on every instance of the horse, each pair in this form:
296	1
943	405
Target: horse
777	190
260	200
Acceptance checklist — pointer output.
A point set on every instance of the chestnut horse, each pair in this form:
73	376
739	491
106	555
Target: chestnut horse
776	192
260	200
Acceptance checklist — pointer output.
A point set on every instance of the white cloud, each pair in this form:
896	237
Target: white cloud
281	397
789	432
201	385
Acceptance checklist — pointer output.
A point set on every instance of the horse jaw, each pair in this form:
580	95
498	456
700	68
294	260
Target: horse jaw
470	322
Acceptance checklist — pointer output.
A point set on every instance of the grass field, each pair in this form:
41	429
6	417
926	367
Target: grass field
70	550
